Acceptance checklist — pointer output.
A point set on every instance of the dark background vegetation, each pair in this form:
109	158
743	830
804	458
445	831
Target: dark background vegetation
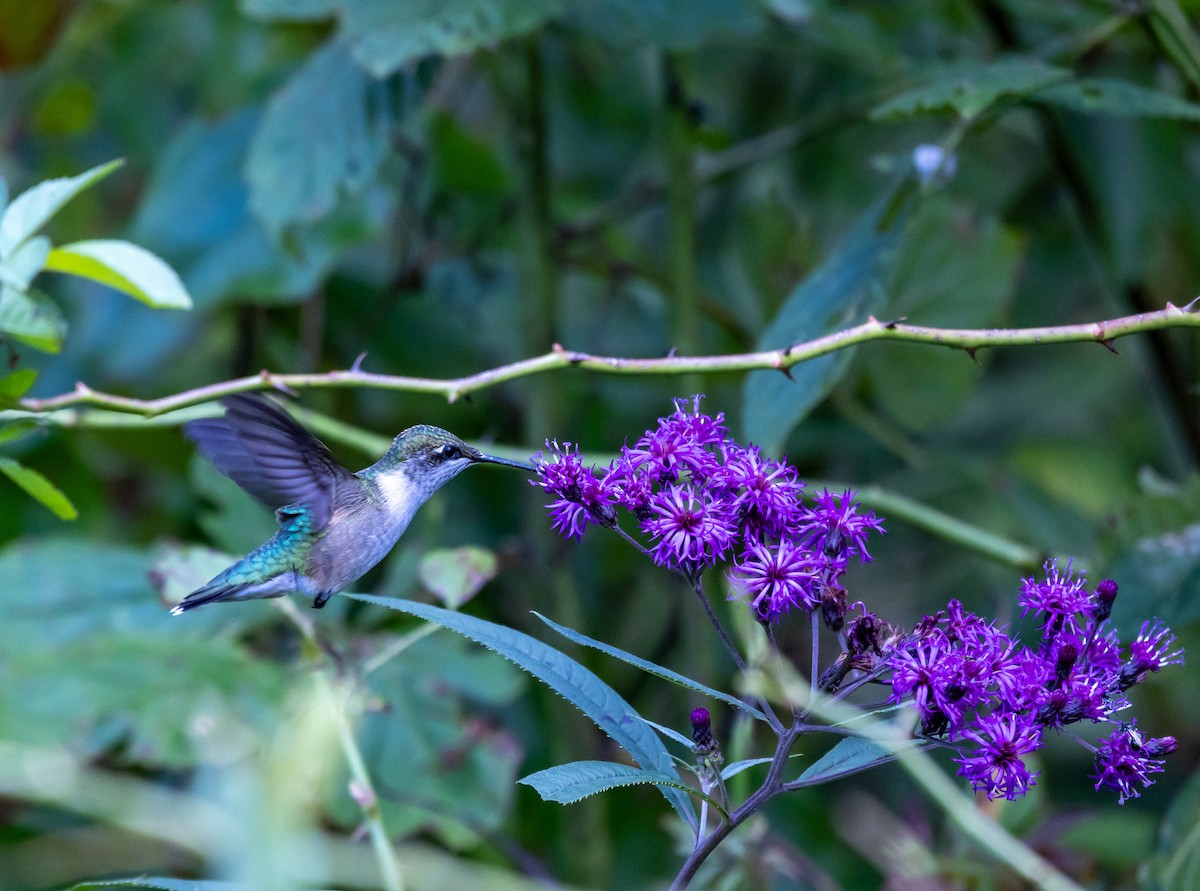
449	187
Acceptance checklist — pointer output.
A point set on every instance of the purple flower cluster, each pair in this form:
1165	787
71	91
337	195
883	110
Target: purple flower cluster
993	697
702	499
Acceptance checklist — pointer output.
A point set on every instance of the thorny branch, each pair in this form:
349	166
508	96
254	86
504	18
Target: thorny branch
968	339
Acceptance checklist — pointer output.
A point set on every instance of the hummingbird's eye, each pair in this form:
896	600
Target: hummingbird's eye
448	453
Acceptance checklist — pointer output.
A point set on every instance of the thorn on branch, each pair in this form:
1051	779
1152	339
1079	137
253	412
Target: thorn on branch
891	324
972	351
1190	306
356	368
672	353
1108	345
787	372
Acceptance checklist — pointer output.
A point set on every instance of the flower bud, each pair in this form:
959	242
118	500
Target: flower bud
1106	593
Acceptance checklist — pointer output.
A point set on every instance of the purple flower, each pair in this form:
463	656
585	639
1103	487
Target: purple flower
581	498
924	669
996	767
693	529
679	446
1060	597
1150	651
767	493
776	579
1125	760
836	529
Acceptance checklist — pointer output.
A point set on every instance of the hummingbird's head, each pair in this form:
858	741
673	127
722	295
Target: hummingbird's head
430	456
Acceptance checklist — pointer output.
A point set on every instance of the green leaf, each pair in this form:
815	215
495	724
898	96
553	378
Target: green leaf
1161	574
159	885
18	430
731	770
670	24
31	210
40	488
656	670
455	575
322	135
435	765
19	268
956	269
14	385
565	676
289	10
569	783
1118	97
385	35
136	677
32	318
969	90
124	266
850	755
1175	864
843	290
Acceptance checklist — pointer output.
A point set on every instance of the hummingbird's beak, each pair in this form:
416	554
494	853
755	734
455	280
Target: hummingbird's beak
492	459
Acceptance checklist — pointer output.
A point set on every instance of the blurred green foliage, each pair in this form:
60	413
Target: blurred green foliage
450	186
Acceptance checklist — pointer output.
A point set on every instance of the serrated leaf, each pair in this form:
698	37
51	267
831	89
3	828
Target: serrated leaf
19	268
31	210
455	575
289	10
731	770
971	90
39	488
851	755
385	35
671	734
32	318
322	135
1118	97
647	666
569	783
843	290
670	24
565	676
124	266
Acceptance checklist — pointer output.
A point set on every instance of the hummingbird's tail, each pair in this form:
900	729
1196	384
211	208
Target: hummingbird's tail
210	593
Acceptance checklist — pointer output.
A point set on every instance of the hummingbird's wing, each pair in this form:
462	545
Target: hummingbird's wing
258	446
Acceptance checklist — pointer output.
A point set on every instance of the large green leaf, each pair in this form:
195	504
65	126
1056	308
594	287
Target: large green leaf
124	266
31	210
385	35
569	783
843	290
322	135
671	24
565	676
40	488
969	90
1175	865
32	318
656	670
20	267
436	764
1118	97
954	269
92	658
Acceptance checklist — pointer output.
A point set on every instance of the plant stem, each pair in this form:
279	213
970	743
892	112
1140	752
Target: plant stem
969	339
769	789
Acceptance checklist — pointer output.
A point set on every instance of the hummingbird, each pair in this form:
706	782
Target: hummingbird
334	525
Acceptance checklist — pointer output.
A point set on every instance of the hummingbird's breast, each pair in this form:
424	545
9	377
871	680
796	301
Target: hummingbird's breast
362	530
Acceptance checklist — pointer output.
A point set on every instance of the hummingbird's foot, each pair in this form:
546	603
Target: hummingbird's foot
322	599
